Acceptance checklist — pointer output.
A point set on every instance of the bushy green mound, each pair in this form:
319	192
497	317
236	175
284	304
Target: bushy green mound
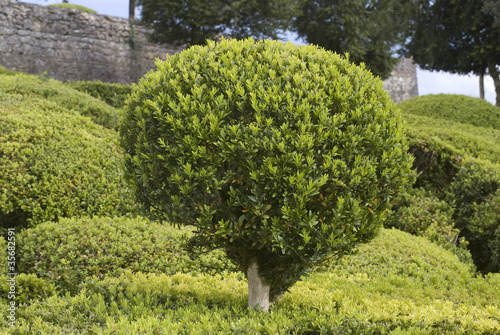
55	162
459	163
114	95
30	86
397	284
452	107
71	250
75	7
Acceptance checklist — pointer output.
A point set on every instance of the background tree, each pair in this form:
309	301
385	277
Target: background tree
190	22
283	156
369	30
457	36
131	9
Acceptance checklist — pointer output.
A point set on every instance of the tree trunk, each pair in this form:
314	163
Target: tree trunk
258	291
481	86
131	9
495	74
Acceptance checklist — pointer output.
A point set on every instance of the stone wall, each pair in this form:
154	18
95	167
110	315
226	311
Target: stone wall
72	45
402	84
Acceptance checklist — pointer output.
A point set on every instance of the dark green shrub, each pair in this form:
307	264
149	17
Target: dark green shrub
421	213
474	193
75	7
112	94
30	86
485	228
56	164
458	108
67	252
282	155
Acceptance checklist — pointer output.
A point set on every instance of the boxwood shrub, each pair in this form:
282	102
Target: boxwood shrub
56	163
30	86
67	252
112	94
454	107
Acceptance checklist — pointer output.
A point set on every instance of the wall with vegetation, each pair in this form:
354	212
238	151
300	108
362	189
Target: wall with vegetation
74	45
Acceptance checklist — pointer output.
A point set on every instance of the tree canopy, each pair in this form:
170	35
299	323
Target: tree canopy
371	31
458	36
190	22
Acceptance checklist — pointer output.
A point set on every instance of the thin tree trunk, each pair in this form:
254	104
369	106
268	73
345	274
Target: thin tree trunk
495	74
481	86
131	10
258	291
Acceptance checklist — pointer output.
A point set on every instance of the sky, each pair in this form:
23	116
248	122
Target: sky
428	82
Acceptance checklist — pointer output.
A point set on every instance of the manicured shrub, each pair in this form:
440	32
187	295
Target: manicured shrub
453	107
75	7
56	163
282	155
30	86
3	257
112	94
67	252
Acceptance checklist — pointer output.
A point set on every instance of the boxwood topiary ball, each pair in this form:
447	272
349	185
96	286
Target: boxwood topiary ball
282	155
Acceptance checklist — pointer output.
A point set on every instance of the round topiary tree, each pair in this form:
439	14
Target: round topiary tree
284	156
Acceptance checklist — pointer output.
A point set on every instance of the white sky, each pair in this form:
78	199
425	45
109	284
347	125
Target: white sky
428	82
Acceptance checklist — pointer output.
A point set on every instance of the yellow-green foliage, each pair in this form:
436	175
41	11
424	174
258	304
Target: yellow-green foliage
67	252
397	284
66	98
8	72
453	107
55	162
75	7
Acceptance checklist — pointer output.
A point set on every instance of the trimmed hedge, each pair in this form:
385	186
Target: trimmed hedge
112	94
56	163
65	97
398	284
67	252
453	107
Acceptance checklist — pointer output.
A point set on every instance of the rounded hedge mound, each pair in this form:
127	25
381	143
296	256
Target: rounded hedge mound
56	163
67	252
67	98
283	155
454	107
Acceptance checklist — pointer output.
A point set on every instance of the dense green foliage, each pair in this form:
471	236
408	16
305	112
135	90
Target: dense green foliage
69	251
457	36
370	31
75	7
457	159
66	98
398	284
55	162
282	155
112	94
456	108
193	22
